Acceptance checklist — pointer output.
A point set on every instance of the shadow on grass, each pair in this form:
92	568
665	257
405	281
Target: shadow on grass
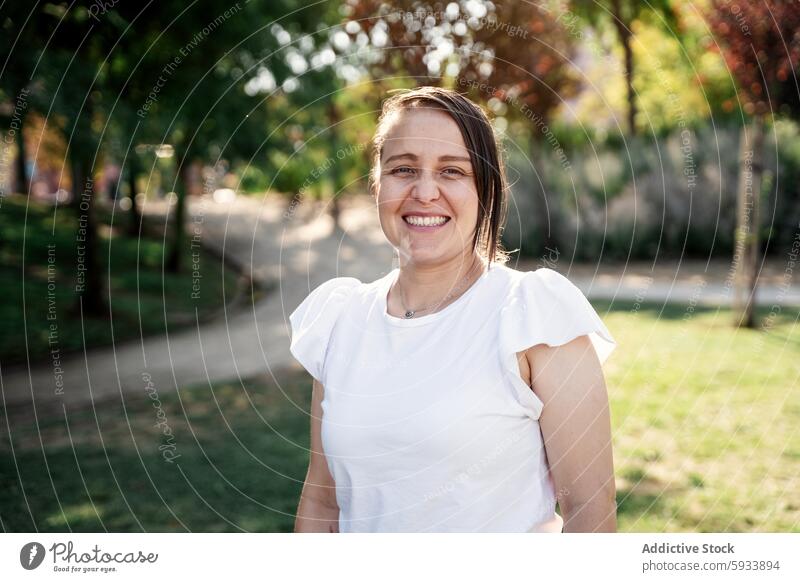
632	505
237	461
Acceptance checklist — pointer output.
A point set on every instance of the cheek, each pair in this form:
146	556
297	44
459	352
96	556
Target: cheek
465	202
388	197
388	202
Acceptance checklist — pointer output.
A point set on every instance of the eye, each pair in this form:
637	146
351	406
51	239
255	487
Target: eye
454	172
402	170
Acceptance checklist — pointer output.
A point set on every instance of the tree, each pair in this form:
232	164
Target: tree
202	108
621	14
761	45
532	76
319	95
130	76
73	74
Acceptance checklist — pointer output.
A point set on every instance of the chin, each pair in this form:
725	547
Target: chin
426	256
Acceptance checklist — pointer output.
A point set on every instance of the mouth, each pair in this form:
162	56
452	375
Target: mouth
425	223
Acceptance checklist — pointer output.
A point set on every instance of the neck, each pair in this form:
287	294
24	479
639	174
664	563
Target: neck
423	285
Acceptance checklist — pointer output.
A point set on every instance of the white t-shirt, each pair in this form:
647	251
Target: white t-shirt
427	425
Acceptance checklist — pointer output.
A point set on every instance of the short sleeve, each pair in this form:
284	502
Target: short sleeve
545	307
314	319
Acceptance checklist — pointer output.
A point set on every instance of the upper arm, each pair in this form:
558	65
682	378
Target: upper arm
575	420
319	481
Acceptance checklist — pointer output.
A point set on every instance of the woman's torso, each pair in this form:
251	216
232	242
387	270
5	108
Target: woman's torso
422	428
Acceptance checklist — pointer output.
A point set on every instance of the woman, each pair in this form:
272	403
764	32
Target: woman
454	394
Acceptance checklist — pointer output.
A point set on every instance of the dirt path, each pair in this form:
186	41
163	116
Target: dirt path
293	255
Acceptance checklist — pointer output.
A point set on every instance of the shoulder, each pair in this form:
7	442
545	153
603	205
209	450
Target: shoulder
545	307
542	277
538	295
336	285
327	297
314	319
540	287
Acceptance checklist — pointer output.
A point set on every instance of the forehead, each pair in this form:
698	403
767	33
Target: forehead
424	129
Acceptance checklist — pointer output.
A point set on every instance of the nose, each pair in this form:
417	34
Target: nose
425	189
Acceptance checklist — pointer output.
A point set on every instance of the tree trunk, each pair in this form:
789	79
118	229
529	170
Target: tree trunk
629	80
89	284
746	243
174	261
135	223
22	178
545	214
336	213
336	170
624	32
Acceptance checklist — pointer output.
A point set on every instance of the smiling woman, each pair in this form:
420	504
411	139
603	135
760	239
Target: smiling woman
435	157
454	394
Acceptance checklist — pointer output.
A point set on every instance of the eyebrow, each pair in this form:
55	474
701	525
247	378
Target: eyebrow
411	156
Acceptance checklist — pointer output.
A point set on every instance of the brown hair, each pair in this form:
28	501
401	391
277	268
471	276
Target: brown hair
485	156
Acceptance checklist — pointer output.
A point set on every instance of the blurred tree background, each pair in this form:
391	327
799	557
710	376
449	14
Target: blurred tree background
621	119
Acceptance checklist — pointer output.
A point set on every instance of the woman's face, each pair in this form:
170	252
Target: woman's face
426	195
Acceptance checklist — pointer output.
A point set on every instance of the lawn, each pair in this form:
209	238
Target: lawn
705	420
38	269
242	459
705	434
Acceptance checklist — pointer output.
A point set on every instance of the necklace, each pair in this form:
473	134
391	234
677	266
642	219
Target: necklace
409	313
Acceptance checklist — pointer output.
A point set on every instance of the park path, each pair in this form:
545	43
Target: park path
291	255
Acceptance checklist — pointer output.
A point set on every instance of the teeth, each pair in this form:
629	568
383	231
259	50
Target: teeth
426	221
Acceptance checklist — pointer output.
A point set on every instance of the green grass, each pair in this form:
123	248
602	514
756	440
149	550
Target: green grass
242	462
705	426
143	299
705	420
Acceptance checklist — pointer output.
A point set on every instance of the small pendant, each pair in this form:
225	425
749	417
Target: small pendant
409	314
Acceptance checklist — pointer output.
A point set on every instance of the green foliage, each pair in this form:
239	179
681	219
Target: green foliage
679	78
631	198
292	172
253	179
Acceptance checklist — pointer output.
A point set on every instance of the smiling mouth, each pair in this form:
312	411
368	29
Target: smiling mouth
426	221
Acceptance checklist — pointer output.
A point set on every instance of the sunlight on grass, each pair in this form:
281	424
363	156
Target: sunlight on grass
702	418
73	514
